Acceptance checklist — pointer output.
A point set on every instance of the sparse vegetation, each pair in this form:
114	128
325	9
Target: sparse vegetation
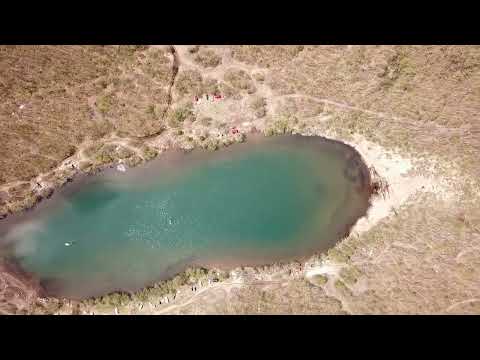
189	82
342	288
188	277
228	91
350	275
258	104
397	65
266	56
106	154
241	137
210	86
239	79
337	256
278	126
84	165
179	115
210	144
259	76
319	280
194	49
133	161
206	121
148	152
207	58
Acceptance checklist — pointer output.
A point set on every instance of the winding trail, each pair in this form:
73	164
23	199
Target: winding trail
224	285
175	69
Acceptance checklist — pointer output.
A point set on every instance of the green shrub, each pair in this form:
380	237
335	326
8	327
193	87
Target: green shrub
178	116
104	103
150	110
269	131
241	137
211	145
337	256
319	279
103	158
133	161
149	152
124	152
278	127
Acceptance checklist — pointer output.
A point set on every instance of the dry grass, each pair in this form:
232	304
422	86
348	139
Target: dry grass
207	58
296	297
240	79
189	82
45	113
17	293
425	256
266	56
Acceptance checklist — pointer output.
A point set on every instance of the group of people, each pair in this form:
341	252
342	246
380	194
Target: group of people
209	98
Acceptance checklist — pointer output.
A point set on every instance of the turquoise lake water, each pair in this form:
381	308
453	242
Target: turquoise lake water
266	200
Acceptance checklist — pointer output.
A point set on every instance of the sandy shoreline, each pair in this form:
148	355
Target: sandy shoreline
403	183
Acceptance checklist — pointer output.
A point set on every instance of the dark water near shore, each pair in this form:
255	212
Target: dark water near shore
270	199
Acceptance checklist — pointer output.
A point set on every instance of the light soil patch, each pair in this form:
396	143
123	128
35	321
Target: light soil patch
402	181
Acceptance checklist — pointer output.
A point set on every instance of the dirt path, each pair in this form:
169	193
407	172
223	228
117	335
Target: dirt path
176	67
209	291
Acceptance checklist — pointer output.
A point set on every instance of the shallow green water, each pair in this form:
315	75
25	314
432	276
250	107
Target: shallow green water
253	203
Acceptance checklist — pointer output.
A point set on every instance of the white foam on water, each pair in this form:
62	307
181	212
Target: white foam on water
22	231
21	236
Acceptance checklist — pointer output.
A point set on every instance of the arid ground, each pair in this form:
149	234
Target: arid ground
411	111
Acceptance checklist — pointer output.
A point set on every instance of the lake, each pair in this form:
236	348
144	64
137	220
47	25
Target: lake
267	200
